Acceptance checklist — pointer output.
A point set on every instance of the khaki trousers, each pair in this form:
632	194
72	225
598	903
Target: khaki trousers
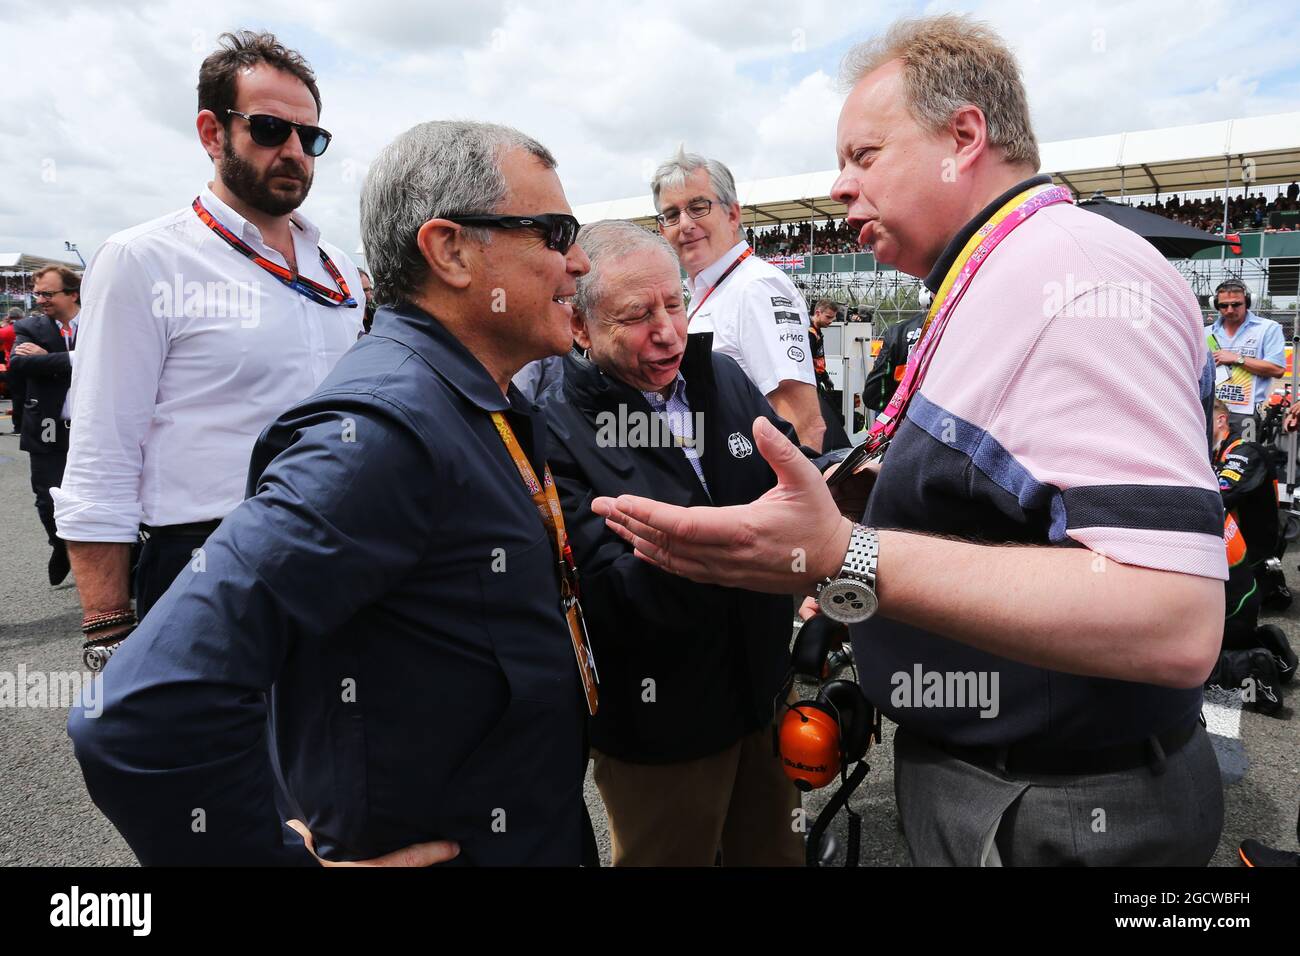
738	801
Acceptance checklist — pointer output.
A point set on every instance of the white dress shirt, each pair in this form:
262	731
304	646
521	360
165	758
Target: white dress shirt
757	317
186	350
70	343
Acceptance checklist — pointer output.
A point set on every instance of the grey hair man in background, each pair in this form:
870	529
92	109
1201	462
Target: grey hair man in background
752	308
390	590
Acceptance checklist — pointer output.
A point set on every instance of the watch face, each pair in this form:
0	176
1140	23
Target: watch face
847	601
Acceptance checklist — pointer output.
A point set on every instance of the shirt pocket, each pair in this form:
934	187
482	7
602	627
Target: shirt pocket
520	606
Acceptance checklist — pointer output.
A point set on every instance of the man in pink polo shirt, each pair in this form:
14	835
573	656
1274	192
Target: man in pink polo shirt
1043	548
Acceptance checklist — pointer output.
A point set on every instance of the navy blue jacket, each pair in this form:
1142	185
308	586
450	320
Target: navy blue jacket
45	380
377	627
717	656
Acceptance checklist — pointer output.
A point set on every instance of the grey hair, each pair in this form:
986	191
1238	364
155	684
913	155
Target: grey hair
672	174
951	61
608	240
432	171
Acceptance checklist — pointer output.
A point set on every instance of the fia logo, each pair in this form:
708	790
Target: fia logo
739	445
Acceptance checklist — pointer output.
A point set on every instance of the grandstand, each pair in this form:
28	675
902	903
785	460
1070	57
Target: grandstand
787	216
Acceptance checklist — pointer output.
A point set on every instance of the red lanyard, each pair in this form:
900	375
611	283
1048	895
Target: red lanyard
299	283
722	278
547	501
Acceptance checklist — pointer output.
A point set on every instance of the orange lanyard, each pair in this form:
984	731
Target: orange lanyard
722	278
547	501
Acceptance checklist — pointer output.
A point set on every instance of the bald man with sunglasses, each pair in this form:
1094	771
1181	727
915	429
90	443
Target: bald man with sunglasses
199	328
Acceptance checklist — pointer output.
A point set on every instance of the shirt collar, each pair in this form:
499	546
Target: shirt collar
445	354
707	277
958	242
1250	319
658	401
246	230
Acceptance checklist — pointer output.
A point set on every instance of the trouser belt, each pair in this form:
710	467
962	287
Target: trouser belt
1036	758
194	529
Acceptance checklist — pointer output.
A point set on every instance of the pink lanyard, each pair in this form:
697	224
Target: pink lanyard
990	235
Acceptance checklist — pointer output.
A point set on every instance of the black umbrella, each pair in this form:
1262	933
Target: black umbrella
1173	239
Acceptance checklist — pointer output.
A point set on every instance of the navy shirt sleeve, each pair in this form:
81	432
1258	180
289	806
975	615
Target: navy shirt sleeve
178	760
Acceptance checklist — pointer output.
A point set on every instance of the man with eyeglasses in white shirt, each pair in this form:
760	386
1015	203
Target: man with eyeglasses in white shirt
199	328
752	308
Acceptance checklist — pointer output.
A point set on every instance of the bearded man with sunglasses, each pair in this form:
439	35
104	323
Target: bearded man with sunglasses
199	328
398	592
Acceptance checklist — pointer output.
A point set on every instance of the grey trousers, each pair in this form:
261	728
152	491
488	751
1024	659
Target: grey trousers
958	814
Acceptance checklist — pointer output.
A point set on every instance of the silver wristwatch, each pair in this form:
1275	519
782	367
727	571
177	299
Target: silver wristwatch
850	596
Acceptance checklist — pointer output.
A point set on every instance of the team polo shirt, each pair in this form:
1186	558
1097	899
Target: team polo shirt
1238	388
1061	409
757	317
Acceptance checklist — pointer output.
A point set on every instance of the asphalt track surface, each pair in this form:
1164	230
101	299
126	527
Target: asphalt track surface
46	817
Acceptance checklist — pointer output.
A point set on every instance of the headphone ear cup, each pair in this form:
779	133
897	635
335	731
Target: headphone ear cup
844	699
817	637
809	744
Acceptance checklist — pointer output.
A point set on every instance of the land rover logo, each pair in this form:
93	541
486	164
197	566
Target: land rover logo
739	445
795	353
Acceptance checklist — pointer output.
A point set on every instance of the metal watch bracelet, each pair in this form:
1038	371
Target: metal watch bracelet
850	596
95	654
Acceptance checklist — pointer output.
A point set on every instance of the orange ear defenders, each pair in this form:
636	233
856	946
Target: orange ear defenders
817	740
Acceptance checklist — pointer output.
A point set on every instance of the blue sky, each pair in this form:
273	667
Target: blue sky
99	108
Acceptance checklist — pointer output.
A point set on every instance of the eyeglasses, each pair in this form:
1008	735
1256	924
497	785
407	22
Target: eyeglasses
696	209
50	295
1223	306
269	131
560	229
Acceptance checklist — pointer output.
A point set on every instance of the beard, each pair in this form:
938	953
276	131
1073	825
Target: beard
242	179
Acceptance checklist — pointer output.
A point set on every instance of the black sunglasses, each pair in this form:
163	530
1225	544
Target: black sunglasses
269	130
560	229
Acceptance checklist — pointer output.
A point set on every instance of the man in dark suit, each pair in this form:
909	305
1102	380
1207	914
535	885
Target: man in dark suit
389	595
690	673
42	360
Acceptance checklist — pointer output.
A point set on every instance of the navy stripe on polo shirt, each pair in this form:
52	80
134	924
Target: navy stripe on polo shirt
1062	408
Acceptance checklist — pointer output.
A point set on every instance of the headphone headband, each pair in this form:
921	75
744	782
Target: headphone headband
1231	285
